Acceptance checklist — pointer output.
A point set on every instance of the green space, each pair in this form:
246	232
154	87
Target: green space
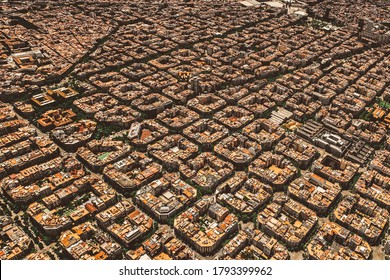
104	156
384	104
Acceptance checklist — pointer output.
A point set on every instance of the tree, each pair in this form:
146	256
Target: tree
245	218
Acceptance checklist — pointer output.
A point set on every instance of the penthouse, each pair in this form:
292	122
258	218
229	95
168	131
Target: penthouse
24	108
121	115
164	62
380	162
297	150
208	61
107	80
138	71
115	212
158	81
48	221
162	245
267	71
99	198
80	214
206	170
335	170
333	242
362	92
387	144
99	153
269	248
129	91
287	221
369	85
172	150
277	93
58	165
233	117
24	193
10	126
14	242
179	92
61	196
374	186
164	198
39	256
231	75
205	83
349	104
146	132
135	226
321	93
232	95
238	149
302	106
264	132
334	119
152	104
242	194
206	133
85	242
178	250
151	247
132	172
314	192
92	104
235	245
362	216
26	153
75	134
106	195
7	113
185	55
273	169
369	132
258	104
178	117
205	226
206	104
336	83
